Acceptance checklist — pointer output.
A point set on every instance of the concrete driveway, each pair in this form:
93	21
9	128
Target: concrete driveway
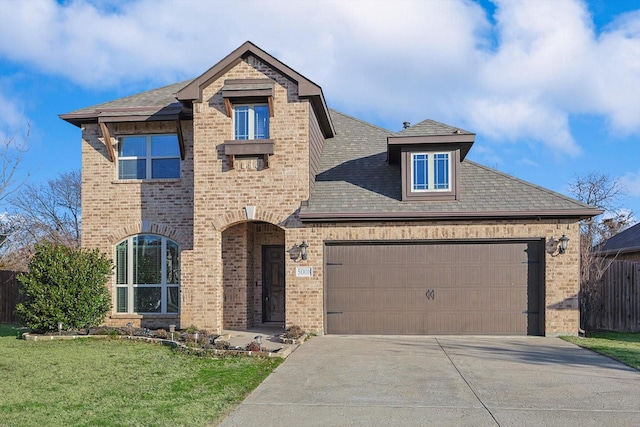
425	381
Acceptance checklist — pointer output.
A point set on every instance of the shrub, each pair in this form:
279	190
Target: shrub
64	285
293	332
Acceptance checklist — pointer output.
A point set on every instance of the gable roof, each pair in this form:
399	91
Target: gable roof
623	242
355	182
174	101
306	88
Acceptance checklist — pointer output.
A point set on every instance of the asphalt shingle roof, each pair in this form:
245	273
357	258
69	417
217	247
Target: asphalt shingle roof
355	177
626	240
431	127
156	99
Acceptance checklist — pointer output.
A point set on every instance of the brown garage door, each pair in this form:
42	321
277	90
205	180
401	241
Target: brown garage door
492	288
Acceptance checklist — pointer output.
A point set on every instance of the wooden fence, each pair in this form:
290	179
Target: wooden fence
617	303
10	296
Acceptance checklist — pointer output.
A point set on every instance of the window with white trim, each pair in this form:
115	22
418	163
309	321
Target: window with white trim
430	172
148	157
147	275
251	121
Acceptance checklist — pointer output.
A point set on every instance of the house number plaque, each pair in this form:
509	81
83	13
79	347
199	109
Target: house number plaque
304	271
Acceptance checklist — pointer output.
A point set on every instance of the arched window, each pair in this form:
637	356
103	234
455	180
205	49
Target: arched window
147	275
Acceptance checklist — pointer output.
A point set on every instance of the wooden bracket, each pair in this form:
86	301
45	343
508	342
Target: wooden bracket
107	141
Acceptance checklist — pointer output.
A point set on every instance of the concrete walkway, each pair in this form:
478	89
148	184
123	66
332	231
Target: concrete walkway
443	381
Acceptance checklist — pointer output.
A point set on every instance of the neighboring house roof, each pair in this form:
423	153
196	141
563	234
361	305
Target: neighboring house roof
624	242
356	182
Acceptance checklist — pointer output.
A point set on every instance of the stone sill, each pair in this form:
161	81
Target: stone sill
125	316
146	181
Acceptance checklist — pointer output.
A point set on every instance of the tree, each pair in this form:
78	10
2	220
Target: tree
65	285
604	192
12	151
52	211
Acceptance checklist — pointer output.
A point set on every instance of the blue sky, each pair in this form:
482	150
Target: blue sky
551	87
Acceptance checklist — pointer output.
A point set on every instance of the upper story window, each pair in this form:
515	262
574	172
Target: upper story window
251	121
147	275
430	172
148	157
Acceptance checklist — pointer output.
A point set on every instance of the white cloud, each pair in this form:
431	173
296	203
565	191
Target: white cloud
631	182
520	79
12	120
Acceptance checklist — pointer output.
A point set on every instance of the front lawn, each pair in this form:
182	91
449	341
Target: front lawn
624	347
118	382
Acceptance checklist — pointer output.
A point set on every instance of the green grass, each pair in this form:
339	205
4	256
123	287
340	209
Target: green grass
111	382
621	346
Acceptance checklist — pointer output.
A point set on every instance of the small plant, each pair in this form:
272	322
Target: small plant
161	333
222	345
191	329
253	346
293	332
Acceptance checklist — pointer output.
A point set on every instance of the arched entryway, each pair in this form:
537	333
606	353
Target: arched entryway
253	256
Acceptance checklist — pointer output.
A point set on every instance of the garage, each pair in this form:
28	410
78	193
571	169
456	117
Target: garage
452	288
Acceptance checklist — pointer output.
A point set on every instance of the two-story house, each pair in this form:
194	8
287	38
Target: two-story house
240	198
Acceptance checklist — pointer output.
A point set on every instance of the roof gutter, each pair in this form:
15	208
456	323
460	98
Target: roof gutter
419	216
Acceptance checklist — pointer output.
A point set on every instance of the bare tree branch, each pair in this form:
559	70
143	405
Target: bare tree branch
604	192
12	152
52	211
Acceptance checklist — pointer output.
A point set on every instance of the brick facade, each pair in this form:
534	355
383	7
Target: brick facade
221	217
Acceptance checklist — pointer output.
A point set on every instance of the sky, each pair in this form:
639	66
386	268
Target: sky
550	87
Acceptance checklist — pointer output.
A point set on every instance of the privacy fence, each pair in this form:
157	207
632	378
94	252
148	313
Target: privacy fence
9	296
616	305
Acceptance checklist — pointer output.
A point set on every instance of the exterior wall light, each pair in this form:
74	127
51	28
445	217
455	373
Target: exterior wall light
303	250
564	241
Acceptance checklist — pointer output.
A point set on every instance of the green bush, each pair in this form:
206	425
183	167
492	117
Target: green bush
65	285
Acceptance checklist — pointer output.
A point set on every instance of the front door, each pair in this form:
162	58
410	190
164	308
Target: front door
273	283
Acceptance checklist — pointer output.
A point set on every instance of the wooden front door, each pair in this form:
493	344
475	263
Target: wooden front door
273	288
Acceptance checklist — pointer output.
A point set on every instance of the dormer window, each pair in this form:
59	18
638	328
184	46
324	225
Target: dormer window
251	121
429	155
430	172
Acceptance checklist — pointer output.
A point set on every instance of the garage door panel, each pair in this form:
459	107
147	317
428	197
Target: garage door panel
456	288
351	299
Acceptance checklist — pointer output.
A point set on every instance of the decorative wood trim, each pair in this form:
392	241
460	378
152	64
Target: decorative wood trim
270	102
107	141
180	138
231	158
227	106
265	159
